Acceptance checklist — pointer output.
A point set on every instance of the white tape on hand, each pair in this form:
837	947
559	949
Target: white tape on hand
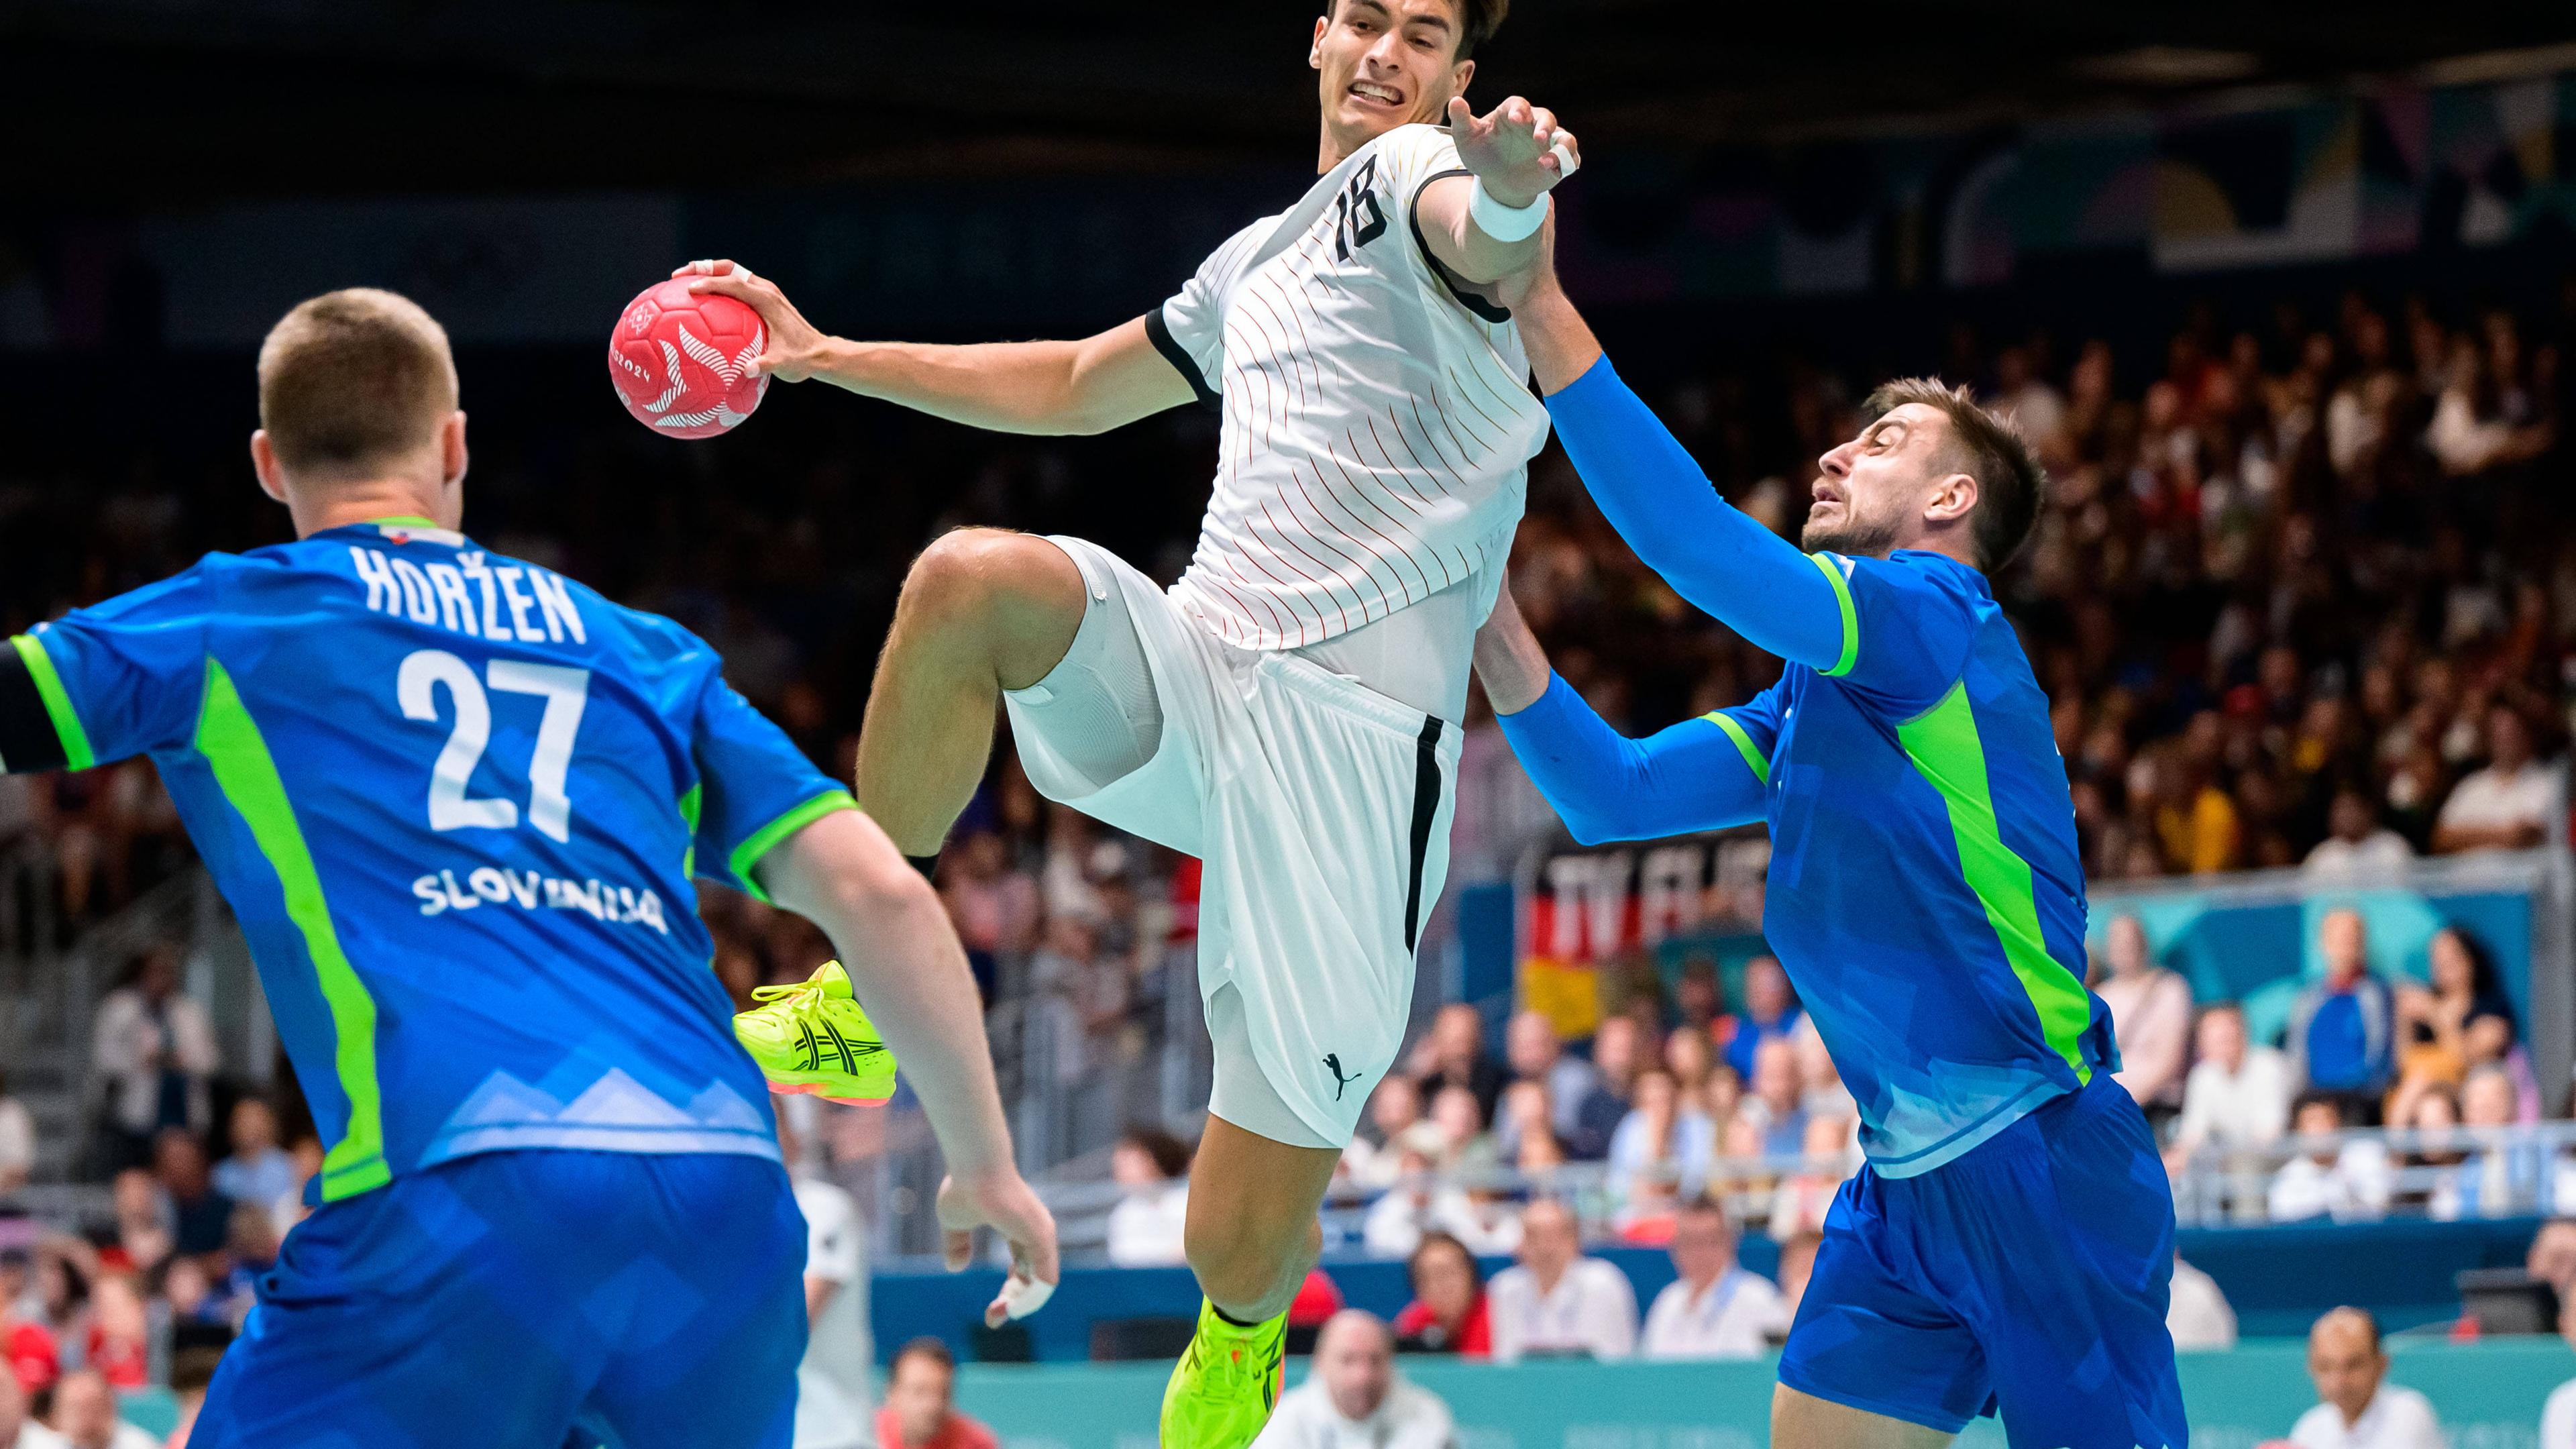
1505	223
1566	164
1024	1296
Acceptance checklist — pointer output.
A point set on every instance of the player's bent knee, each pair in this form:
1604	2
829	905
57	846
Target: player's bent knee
962	574
1017	597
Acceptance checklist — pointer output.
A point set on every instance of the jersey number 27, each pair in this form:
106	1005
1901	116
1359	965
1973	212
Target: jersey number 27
565	692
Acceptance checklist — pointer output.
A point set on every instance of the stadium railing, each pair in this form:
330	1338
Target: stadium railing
2462	1174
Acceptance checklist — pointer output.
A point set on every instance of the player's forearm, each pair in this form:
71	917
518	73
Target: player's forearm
1723	561
908	970
1559	343
1449	229
1609	787
1509	660
1008	387
1483	259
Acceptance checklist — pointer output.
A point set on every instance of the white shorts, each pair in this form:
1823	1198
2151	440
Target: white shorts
1319	807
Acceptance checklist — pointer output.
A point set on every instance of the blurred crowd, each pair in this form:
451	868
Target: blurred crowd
2305	591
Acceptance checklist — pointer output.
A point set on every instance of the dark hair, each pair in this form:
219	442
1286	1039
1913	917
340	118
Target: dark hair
1171	1155
922	1347
1438	1239
1477	22
2011	486
2483	982
2320	1097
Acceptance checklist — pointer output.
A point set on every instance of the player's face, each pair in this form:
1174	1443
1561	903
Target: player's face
1872	492
1381	64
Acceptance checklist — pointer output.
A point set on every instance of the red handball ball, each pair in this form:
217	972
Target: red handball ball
682	363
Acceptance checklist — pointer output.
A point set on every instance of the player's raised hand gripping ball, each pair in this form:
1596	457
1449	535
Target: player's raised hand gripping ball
682	361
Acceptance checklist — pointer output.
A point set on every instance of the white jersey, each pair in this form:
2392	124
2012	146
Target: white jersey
1378	421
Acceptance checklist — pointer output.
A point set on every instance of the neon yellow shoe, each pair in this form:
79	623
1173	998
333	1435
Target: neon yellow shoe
816	1038
1226	1384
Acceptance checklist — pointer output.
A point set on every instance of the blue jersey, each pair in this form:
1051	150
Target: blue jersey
456	801
1925	894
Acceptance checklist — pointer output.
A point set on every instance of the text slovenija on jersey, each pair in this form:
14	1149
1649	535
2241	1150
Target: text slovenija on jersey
1378	422
455	801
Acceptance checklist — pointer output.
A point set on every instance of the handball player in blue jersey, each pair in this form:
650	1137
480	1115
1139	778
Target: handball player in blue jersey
456	801
2007	1248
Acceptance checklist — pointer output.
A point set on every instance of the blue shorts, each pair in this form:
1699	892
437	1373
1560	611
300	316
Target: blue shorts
529	1300
2029	1274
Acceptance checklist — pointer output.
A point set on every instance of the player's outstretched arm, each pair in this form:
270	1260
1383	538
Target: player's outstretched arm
1651	490
908	970
1698	775
1518	154
1086	386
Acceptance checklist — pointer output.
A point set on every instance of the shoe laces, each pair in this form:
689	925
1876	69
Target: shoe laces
795	995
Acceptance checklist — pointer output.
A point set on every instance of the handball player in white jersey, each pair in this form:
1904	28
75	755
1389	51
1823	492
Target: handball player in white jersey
1288	712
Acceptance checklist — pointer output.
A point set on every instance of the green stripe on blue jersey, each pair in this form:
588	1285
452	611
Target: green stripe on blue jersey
1851	615
1945	749
234	749
58	705
691	805
1753	758
766	838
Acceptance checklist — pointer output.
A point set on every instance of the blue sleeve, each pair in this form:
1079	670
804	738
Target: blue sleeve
755	789
1724	562
1908	625
1701	774
111	681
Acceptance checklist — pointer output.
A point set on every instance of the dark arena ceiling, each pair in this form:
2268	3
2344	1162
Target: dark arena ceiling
116	103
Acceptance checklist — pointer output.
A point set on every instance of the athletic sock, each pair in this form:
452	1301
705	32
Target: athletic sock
1230	1320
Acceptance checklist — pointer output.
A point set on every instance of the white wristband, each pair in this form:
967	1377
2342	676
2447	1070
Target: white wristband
1505	223
1511	223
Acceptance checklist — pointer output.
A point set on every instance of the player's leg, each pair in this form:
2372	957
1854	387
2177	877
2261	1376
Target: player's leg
1877	1356
710	1329
1803	1421
1252	1234
982	611
1089	727
2070	1243
1258	1178
1324	848
382	1305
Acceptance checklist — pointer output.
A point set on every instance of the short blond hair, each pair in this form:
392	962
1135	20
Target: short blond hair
352	380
